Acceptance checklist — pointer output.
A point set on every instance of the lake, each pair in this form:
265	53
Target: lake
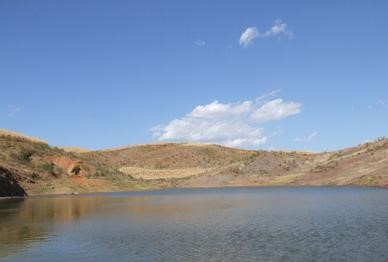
229	224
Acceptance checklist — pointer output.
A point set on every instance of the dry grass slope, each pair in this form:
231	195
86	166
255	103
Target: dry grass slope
4	132
40	169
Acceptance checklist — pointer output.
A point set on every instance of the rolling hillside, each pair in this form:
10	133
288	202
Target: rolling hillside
30	166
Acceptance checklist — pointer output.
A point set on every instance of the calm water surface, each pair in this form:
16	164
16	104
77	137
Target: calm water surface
236	224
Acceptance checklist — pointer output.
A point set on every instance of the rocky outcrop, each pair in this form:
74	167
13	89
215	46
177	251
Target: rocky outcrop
9	187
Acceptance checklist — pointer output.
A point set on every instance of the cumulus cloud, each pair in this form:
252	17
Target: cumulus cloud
279	28
237	124
306	138
276	109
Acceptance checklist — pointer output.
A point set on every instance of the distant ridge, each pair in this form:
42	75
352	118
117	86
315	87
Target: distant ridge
6	132
74	149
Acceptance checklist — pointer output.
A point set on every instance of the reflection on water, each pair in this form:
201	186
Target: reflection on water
266	224
26	221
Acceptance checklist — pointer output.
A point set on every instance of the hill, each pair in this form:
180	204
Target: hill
37	168
13	134
30	166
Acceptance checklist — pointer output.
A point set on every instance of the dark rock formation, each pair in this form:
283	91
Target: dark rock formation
9	187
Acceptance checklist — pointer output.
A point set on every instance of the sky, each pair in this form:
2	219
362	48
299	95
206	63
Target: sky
290	75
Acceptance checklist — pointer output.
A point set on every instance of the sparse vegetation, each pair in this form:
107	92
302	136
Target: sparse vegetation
35	165
25	156
48	167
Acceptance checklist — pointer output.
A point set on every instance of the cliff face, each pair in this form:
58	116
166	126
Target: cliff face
9	186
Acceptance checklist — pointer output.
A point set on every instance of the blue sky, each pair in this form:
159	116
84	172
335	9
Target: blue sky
100	74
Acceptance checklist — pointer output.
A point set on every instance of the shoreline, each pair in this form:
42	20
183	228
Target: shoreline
189	188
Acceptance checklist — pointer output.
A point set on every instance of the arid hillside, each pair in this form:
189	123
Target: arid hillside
30	166
366	164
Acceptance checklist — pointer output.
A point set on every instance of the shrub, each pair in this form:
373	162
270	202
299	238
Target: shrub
49	167
76	169
25	156
52	169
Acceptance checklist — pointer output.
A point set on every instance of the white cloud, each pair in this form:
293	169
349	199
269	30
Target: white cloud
248	35
200	43
279	28
380	105
216	109
232	124
382	102
13	110
306	138
276	109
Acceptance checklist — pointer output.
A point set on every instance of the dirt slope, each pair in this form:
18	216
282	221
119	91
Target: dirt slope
366	164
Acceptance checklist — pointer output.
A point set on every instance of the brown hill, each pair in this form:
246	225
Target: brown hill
9	133
33	166
40	169
365	164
